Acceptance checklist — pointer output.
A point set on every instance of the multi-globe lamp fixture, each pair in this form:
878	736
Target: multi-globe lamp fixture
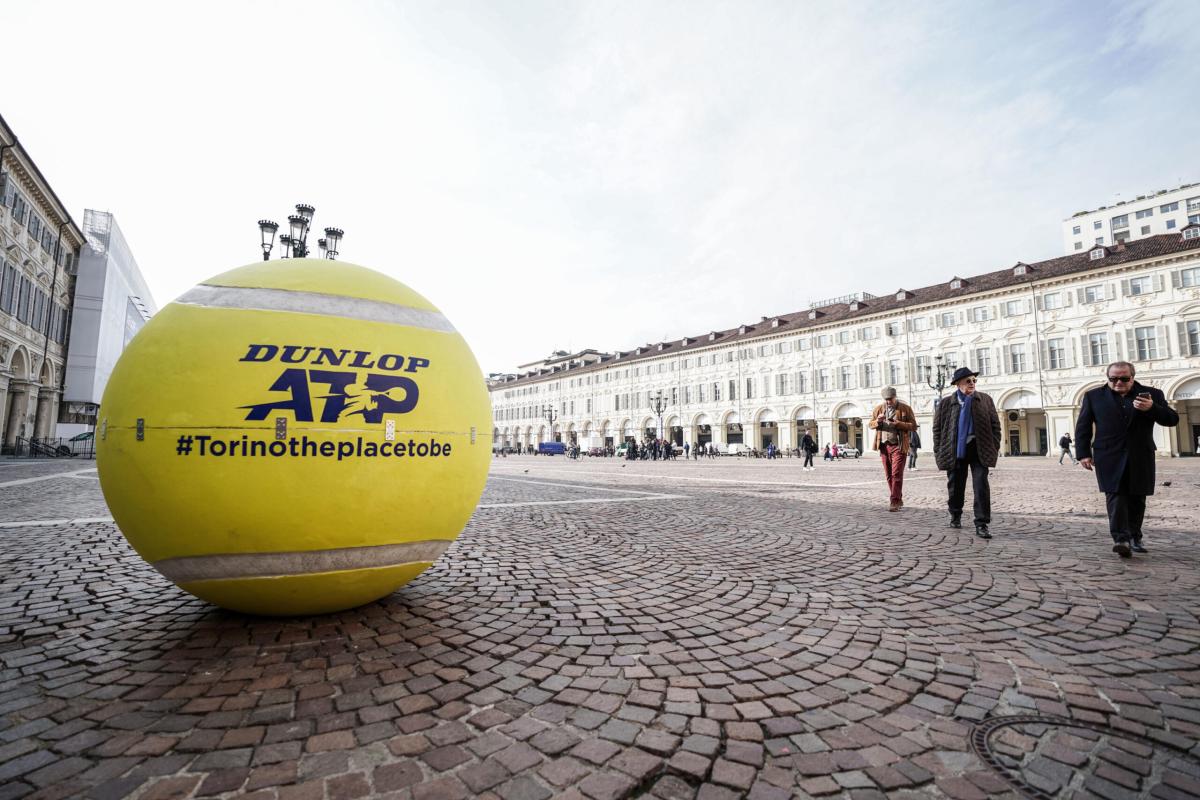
294	243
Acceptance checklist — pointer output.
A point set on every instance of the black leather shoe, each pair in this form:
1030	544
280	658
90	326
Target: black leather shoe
982	532
1137	548
955	522
1122	549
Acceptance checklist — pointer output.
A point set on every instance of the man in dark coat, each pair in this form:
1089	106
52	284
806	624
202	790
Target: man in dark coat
966	436
1121	449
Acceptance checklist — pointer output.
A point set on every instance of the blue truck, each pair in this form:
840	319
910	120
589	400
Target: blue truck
551	448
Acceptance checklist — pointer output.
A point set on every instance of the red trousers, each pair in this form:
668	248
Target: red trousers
893	469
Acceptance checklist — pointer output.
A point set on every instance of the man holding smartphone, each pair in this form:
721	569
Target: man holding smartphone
1115	437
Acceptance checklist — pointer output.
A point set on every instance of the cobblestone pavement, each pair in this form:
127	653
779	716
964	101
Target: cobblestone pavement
718	629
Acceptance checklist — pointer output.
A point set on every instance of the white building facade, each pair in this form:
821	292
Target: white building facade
39	250
112	302
1167	211
1040	335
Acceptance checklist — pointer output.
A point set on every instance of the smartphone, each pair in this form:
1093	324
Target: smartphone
1144	394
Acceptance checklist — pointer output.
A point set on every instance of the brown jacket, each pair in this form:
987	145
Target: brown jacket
905	421
945	430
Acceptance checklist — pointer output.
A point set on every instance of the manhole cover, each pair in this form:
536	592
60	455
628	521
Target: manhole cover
1053	757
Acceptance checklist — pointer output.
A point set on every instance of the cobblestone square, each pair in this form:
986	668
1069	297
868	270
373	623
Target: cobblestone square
602	629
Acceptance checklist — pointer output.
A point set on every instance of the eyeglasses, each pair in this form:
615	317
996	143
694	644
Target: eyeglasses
1120	378
969	380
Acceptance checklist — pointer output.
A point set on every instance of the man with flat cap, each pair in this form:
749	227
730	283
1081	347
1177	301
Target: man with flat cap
966	436
893	423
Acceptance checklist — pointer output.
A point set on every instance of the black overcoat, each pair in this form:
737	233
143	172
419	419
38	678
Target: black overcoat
1121	441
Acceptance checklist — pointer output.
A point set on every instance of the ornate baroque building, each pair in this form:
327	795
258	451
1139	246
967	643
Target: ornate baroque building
1039	334
39	249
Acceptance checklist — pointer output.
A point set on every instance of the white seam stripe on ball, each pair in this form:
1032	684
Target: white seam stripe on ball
326	305
185	569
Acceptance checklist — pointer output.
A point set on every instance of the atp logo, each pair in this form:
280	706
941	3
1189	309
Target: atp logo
343	393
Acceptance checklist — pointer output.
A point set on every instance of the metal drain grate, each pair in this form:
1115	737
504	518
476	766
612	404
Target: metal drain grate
1013	770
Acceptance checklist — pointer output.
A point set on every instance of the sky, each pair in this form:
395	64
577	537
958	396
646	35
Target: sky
566	175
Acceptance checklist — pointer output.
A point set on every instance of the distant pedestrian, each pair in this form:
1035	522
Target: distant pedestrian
809	446
893	422
966	436
687	449
914	445
828	455
1115	437
1064	444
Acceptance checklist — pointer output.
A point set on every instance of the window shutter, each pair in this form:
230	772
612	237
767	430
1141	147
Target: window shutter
910	325
1068	353
1067	298
1158	282
1130	345
1079	295
1124	287
1045	355
1181	332
1110	292
1004	309
1176	279
1085	351
1164	341
1005	364
1041	302
938	320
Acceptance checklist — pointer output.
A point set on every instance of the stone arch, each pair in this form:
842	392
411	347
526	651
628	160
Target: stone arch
18	364
46	374
701	419
730	418
803	411
1018	398
766	415
848	410
1185	387
1084	389
671	421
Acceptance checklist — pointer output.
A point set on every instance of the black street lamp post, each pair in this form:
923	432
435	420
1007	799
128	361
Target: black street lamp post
937	381
294	243
659	404
550	415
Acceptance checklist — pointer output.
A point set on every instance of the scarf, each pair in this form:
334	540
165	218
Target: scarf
966	424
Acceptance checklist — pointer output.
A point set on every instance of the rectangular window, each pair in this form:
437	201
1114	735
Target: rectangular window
1098	224
1016	358
844	377
1056	349
823	380
983	360
1170	224
920	323
1189	277
868	333
1099	240
781	387
1145	212
1014	308
1120	222
1147	343
1075	230
700	393
894	372
1169	207
845	337
895	329
1093	294
824	340
749	389
732	390
803	344
1052	301
870	375
800	381
1192	337
687	395
1142	285
765	349
949	319
1193	204
1098	348
1145	230
980	314
716	392
1079	245
784	347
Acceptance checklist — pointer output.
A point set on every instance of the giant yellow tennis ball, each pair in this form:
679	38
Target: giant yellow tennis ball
293	437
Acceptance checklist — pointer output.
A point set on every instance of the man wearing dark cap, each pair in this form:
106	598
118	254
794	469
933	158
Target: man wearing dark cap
893	423
966	436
